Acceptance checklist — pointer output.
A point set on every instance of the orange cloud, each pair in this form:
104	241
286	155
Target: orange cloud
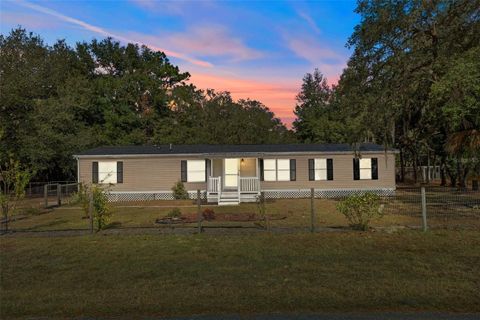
279	97
278	94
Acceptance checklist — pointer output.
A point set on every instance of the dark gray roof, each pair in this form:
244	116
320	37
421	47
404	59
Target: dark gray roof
228	148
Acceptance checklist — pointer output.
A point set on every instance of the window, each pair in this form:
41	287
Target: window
365	169
276	170
195	170
269	170
107	172
320	169
283	169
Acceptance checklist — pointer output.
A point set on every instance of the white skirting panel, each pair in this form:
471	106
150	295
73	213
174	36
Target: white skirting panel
324	193
121	196
124	196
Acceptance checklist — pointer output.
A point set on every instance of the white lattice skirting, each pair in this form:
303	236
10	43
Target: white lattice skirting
269	194
149	196
325	193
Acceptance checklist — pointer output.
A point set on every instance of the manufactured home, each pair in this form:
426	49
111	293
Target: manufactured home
230	174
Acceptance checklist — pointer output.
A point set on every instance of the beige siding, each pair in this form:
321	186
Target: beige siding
143	174
342	174
161	173
217	167
248	168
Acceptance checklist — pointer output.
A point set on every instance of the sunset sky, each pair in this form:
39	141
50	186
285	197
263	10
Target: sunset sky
254	49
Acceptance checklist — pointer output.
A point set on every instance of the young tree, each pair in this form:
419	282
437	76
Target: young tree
13	181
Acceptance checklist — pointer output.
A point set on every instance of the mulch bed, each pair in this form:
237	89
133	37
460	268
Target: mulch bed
220	217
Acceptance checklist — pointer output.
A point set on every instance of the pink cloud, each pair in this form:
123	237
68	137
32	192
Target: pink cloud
330	62
177	7
211	40
309	20
33	21
106	33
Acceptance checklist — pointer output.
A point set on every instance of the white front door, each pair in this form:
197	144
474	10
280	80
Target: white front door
231	173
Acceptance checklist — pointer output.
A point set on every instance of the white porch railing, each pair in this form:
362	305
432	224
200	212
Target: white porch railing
214	184
249	185
245	185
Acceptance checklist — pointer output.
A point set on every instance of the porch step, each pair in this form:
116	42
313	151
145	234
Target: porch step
228	199
228	202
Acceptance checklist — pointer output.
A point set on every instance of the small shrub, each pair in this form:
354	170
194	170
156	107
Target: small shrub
174	213
101	208
76	197
361	209
208	214
179	191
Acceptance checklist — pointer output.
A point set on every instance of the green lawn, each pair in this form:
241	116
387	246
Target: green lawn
296	214
120	275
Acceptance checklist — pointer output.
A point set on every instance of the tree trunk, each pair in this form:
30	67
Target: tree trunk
460	175
402	166
415	177
5	216
443	176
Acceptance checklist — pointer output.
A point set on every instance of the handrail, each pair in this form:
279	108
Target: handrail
213	184
249	184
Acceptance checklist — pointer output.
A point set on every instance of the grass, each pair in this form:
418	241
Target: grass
133	276
295	211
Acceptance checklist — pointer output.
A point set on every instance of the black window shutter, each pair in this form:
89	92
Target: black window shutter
356	169
293	169
260	164
374	169
95	172
183	169
119	171
207	169
311	169
329	169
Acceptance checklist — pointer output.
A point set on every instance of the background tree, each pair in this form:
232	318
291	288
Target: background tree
316	111
402	50
58	100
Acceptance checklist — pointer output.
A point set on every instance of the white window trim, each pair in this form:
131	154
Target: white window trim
195	172
317	168
283	170
270	170
365	165
276	170
107	172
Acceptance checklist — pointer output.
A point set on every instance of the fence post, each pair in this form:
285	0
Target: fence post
424	209
45	195
312	210
90	209
59	194
199	213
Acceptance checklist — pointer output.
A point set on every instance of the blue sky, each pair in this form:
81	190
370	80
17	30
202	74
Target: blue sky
256	49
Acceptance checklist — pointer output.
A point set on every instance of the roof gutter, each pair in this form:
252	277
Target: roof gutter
226	154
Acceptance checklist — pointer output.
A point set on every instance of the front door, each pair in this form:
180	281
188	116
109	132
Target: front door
231	173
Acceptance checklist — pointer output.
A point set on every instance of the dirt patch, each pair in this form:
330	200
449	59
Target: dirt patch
219	217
